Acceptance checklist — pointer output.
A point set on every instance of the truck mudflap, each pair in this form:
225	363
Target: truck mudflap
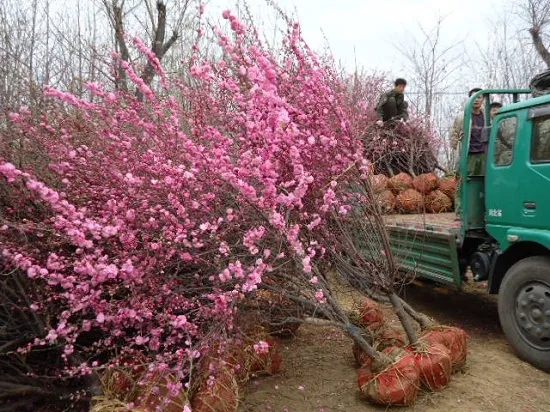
429	253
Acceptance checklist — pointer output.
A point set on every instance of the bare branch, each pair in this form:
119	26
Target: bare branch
539	45
537	15
159	46
116	11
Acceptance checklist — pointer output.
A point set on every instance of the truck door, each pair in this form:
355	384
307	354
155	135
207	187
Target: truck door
534	189
502	202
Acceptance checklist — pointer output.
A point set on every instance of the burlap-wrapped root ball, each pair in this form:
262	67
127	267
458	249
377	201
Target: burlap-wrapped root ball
448	186
386	201
454	339
379	183
397	385
425	183
438	202
218	395
399	183
410	201
434	364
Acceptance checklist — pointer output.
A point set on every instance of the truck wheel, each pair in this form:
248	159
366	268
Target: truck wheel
524	310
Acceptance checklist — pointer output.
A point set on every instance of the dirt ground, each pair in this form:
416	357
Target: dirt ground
319	372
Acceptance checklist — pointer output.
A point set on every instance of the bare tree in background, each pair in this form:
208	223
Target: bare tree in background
156	26
433	65
537	15
447	108
66	44
508	60
20	54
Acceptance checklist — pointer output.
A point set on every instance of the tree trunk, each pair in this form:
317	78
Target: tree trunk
423	320
539	45
159	47
121	81
405	321
379	359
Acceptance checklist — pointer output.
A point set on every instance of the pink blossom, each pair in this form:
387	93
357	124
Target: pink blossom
225	275
14	117
109	231
9	171
306	262
224	248
252	237
261	347
320	296
180	322
141	340
52	336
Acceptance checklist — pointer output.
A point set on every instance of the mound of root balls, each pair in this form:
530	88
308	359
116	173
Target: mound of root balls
403	194
407	369
218	379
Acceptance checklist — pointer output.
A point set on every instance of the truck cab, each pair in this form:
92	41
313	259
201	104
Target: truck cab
515	201
505	222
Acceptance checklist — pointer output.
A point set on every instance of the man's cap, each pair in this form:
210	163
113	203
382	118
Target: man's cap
496	104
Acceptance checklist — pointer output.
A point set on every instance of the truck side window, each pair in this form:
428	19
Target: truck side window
540	143
506	137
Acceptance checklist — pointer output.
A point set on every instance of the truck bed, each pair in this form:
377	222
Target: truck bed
439	222
426	245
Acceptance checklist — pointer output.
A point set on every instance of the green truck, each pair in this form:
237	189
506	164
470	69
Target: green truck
503	232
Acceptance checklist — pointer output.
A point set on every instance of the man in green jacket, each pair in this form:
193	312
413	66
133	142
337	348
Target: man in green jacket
392	106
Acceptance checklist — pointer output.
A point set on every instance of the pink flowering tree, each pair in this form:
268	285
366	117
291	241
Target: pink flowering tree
143	224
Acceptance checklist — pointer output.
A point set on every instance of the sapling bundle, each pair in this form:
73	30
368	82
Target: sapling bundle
402	147
399	183
366	259
409	201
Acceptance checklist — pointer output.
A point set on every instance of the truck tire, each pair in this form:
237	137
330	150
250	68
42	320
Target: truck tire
524	310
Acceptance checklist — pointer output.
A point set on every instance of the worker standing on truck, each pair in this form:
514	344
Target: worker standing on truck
478	145
495	107
392	106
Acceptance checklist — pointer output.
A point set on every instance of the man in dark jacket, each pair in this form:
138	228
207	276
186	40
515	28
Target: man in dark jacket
478	143
392	105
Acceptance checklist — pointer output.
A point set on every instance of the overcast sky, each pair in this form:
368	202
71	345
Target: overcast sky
371	31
